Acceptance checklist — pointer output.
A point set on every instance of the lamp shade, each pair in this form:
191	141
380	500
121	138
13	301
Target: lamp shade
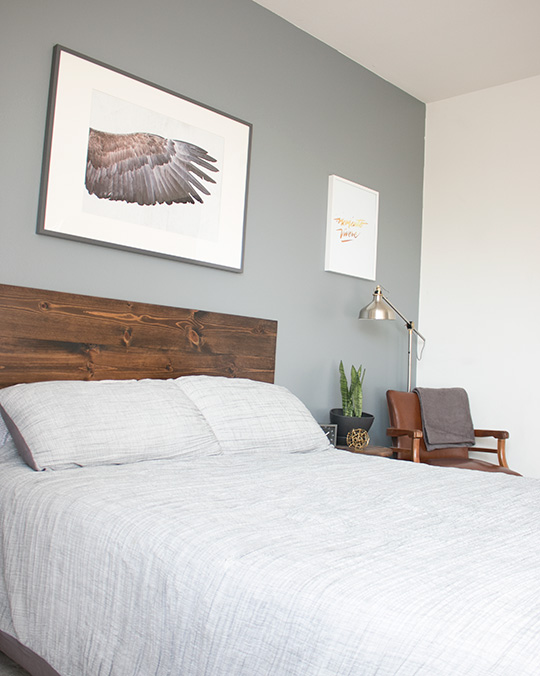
377	309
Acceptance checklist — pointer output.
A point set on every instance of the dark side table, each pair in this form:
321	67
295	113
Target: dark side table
381	451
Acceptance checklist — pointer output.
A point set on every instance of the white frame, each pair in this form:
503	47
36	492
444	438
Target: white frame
351	229
210	234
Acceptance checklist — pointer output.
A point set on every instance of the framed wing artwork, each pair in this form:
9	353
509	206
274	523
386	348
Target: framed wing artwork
131	165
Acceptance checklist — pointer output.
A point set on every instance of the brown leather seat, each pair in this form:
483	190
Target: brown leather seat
407	437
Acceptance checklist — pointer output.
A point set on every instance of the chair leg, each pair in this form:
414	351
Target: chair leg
501	452
416	449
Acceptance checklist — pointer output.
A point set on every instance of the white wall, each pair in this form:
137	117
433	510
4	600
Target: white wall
480	273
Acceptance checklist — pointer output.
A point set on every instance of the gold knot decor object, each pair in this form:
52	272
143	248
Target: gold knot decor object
357	439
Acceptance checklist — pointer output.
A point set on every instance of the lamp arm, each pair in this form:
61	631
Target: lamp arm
410	325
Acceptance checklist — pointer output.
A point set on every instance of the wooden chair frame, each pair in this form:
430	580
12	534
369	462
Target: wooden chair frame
417	435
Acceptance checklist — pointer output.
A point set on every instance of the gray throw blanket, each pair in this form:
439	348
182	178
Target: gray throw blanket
446	417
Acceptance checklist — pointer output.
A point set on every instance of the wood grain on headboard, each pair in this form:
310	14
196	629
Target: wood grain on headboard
49	335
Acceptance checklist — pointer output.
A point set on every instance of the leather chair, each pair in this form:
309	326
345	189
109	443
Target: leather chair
408	439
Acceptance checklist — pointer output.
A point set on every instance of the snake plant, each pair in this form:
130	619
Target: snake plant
351	397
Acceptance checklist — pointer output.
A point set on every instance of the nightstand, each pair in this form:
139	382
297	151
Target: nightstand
381	451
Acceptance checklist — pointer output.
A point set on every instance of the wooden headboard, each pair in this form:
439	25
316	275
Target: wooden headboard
48	335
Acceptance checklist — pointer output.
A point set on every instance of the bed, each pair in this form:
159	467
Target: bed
249	548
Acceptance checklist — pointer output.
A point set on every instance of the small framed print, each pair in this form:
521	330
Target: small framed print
331	433
351	230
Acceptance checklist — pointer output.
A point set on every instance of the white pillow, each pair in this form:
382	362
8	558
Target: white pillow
63	424
4	432
7	448
246	415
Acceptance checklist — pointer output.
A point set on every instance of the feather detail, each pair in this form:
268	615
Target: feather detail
146	169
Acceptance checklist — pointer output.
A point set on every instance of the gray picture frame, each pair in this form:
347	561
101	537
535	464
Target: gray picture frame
203	224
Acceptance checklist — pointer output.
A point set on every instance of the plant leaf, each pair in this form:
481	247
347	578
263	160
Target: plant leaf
356	392
345	392
361	374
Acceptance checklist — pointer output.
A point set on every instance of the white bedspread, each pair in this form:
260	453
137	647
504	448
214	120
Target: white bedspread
295	565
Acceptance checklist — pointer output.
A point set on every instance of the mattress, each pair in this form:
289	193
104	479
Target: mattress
324	563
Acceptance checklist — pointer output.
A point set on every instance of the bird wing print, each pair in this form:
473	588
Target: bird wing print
146	169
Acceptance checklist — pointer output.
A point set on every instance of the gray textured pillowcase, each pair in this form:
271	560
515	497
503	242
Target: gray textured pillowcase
4	432
64	424
246	415
7	447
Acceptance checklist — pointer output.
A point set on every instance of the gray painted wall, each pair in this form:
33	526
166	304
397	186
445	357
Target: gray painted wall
314	113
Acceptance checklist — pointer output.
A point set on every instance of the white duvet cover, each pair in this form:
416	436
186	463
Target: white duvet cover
320	564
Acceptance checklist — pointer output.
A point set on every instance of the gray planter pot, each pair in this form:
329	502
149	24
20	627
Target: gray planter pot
346	423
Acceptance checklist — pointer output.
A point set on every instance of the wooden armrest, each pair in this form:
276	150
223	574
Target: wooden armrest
496	434
501	436
414	435
397	432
